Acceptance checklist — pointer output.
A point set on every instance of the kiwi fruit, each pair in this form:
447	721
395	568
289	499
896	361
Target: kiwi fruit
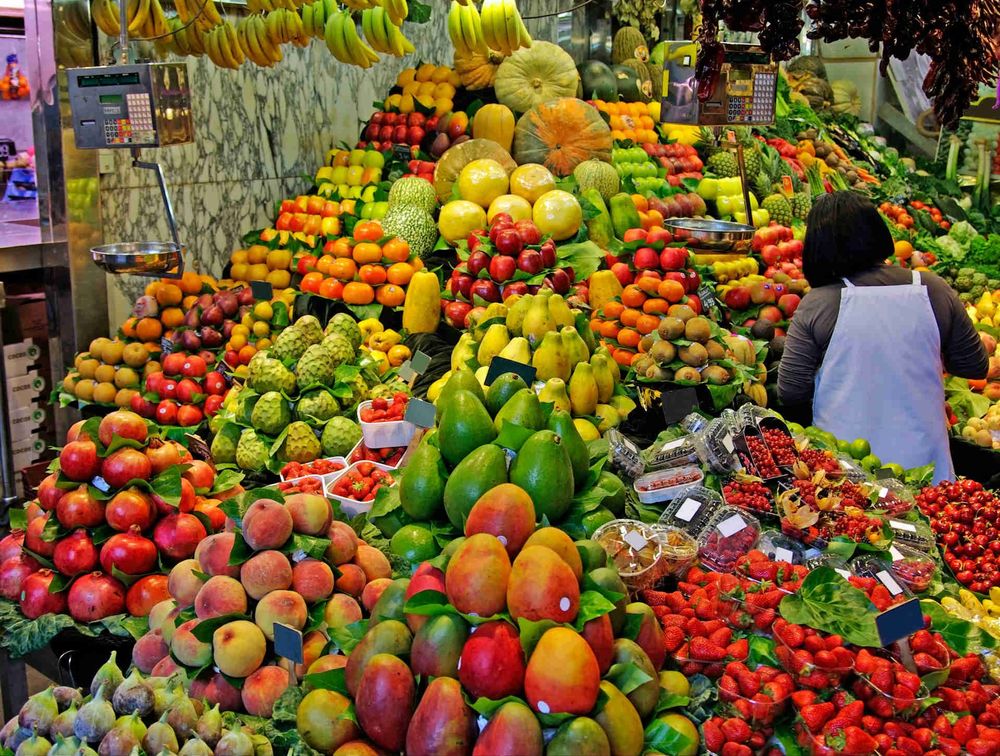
698	329
671	328
681	311
716	375
656	373
694	355
642	363
687	374
663	352
715	351
646	343
762	329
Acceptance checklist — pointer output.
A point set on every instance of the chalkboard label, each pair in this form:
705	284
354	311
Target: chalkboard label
501	365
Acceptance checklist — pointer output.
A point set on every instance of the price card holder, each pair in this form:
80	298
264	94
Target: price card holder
261	289
407	373
402	152
707	297
420	362
501	365
678	404
288	645
420	413
782	554
897	624
884	473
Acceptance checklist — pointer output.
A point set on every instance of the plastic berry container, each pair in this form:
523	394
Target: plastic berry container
893	497
807	673
730	534
719	445
836	563
852	469
679	452
815	745
636	550
691	509
680	550
354	507
915	569
903	707
303	484
386	433
915	534
757	711
624	455
780	548
329	477
663	485
873	567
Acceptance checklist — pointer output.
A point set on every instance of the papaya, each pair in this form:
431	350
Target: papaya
464	380
422	305
542	467
390	603
501	390
542	586
513	730
385	701
562	674
623	214
505	511
421	484
389	637
492	664
621	722
604	287
477	575
437	646
426	577
559	542
443	724
483	469
600	229
645	696
465	425
579	737
597	633
650	635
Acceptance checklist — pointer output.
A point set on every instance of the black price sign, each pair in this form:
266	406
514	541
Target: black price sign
501	365
678	403
262	290
288	642
901	621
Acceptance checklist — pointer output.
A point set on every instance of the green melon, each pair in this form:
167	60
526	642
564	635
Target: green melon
629	85
597	81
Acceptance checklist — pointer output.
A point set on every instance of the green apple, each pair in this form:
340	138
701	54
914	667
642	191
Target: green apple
357	157
373	159
339	175
708	188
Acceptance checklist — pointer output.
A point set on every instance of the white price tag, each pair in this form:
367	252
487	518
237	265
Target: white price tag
688	510
843	573
731	525
783	555
847	466
673	444
635	540
894	553
727	441
889	582
882	492
907	527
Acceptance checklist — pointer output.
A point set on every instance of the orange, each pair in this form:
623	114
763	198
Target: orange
342	247
624	357
630	316
390	295
151	287
189	302
609	330
190	283
671	290
640	202
170	294
373	275
647	324
128	328
903	250
655	218
368	231
417	263
149	329
324	264
311	281
367	252
399	273
247	353
357	292
648	284
331	288
633	296
595	325
629	338
612	310
656	306
397	250
172	317
343	268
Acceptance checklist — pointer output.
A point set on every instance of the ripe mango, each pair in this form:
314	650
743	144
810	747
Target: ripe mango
477	574
562	674
597	633
442	725
559	542
644	697
426	577
579	737
542	586
621	722
505	511
513	729
389	637
385	701
492	663
650	635
437	646
320	721
390	603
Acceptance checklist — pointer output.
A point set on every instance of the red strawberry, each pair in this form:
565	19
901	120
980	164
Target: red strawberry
739	649
872	724
736	730
857	741
704	650
825	659
673	639
655	598
909	746
883	679
764	619
925	737
942	725
926	662
814	716
813	644
949	746
735	749
749	683
866	662
883	742
965	729
712	734
981	747
729	688
721	637
923	641
802	698
834	641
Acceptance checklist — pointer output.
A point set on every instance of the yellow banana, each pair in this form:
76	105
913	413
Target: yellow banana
490	13
254	46
211	13
455	28
195	40
138	13
398	10
361	54
398	43
233	45
271	50
510	19
160	28
333	35
472	29
105	14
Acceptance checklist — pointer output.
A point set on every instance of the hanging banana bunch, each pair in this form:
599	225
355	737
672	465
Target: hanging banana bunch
398	10
466	29
341	36
315	15
105	14
223	48
503	29
207	17
382	34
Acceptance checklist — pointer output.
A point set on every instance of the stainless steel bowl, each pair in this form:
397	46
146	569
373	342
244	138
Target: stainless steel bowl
712	235
138	258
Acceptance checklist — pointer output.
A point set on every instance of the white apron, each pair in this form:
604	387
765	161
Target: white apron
881	377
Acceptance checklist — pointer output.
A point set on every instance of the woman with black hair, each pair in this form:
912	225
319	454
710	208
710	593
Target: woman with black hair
869	343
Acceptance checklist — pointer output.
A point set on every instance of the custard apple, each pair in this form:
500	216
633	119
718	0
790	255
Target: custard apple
310	327
300	444
387	390
243	408
273	376
290	344
345	325
316	366
340	435
224	444
252	452
316	405
340	349
255	365
271	414
359	390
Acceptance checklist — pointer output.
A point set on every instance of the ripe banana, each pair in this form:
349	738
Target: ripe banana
138	14
455	29
472	29
503	29
398	43
374	29
160	27
398	10
333	35
361	53
105	14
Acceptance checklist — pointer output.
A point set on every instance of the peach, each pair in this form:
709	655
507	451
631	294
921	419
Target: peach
238	648
213	555
313	580
373	562
187	649
357	748
148	651
313	644
266	525
159	613
170	624
352	579
992	391
341	611
286	607
327	662
311	513
220	595
264	572
165	667
371	593
216	690
183	584
262	688
343	543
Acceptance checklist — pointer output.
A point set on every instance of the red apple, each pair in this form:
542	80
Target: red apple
674	258
646	258
771	314
548	250
528	231
415	135
737	298
692	281
623	273
789	303
508	242
475	239
515	287
486	289
455	312
694	302
189	415
502	267
477	261
530	261
658	234
166	412
559	281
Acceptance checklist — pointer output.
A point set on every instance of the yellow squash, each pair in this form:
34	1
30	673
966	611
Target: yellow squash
495	122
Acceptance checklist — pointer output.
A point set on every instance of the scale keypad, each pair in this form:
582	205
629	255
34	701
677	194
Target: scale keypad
141	115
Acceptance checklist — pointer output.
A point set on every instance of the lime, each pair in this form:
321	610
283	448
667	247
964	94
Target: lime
859	448
897	470
871	463
674	682
415	543
844	447
593	520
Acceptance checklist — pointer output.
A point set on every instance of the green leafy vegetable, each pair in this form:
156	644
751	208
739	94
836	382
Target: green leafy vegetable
828	602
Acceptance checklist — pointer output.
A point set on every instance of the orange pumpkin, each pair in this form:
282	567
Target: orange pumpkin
560	134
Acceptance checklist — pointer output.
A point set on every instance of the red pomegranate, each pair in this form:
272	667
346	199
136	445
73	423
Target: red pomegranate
125	465
186	503
130	507
33	537
163	455
146	593
121	423
78	460
75	432
200	473
128	552
177	535
78	509
48	493
10	545
75	554
35	597
13	572
210	508
95	596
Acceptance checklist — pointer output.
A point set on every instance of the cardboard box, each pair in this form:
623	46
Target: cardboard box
20	357
26	451
26	422
29	315
23	390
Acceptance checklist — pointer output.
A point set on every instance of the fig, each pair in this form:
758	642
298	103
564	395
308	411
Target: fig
160	737
118	740
234	743
181	714
36	745
261	745
108	677
66	695
133	696
95	718
209	726
196	747
63	724
38	712
63	746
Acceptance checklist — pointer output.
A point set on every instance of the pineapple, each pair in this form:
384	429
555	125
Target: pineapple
723	164
779	208
801	205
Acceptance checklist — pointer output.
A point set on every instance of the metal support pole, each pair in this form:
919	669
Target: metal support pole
6	460
137	163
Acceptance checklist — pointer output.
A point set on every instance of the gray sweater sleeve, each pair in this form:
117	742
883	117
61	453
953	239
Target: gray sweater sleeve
804	347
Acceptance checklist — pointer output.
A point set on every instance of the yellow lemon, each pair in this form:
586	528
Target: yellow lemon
531	181
516	207
586	429
482	181
557	213
459	218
